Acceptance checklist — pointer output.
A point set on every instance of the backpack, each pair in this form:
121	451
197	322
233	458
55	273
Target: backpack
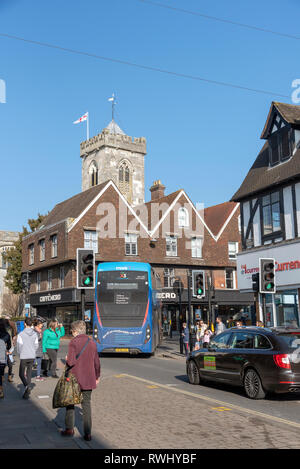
3	356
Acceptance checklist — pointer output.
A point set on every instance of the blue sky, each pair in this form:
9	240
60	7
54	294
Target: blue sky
201	137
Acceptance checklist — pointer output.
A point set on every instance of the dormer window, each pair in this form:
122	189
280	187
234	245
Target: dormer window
281	142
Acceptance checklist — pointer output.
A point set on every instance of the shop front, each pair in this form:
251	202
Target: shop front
281	308
226	304
63	305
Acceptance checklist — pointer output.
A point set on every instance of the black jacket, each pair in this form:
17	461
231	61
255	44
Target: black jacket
6	337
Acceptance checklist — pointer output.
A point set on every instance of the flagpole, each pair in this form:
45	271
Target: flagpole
87	127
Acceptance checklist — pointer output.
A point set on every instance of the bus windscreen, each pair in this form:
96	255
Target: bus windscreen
122	298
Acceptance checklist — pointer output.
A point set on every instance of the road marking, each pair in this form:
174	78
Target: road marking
216	401
152	386
220	409
43	397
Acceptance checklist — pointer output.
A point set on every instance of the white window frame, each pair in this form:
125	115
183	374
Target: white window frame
131	244
171	243
53	245
91	240
232	256
42	249
183	218
196	247
31	254
169	273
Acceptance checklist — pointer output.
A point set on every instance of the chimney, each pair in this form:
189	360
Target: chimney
157	190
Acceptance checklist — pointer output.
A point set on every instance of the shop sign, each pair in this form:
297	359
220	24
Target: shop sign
63	296
166	296
287	265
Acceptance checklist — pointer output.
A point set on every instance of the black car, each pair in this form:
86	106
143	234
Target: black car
261	360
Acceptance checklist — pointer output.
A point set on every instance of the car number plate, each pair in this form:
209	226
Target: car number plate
122	349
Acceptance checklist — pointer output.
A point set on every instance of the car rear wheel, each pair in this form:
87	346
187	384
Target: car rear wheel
253	386
193	373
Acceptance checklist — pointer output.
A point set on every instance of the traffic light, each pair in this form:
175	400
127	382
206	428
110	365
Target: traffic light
198	283
85	268
255	282
267	276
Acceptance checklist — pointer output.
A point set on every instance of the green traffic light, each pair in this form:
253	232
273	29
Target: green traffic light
199	291
87	281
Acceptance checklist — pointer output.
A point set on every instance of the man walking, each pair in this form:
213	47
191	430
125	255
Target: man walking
27	345
220	327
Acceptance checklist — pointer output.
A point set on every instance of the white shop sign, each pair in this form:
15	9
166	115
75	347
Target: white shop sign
287	265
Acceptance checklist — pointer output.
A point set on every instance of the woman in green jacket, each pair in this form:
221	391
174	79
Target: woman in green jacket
51	340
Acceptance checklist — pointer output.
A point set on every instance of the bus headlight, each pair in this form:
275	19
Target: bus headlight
148	334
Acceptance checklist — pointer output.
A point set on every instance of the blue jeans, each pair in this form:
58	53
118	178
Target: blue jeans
39	365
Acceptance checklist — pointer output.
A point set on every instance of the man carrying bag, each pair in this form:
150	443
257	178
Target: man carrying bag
84	364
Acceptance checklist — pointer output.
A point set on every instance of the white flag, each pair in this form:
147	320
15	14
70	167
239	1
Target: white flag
81	119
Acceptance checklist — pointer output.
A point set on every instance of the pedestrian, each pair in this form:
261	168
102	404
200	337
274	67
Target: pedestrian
51	342
259	324
83	361
12	331
230	322
5	345
27	345
186	337
220	326
238	324
38	327
206	338
202	327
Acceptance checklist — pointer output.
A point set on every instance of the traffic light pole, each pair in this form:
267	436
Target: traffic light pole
82	304
190	309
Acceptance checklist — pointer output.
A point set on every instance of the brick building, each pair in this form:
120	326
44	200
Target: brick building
169	232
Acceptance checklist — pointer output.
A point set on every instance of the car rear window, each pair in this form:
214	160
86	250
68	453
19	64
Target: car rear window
292	340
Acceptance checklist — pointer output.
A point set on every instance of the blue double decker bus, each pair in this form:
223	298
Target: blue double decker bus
127	316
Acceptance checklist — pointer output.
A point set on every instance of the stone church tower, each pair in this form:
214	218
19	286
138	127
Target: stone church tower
114	155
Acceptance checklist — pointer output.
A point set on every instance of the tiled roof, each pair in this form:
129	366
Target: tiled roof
261	176
73	207
215	217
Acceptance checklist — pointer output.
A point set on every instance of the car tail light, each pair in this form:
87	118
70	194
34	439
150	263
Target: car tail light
282	361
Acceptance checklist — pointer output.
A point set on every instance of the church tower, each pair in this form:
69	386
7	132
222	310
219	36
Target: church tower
114	155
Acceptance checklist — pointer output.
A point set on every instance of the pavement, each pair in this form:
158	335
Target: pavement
130	412
33	424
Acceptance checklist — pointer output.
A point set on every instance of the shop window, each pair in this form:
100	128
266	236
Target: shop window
287	308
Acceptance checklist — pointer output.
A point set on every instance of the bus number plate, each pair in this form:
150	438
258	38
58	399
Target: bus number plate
122	350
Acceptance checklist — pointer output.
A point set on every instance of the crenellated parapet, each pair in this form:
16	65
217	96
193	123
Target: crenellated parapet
107	139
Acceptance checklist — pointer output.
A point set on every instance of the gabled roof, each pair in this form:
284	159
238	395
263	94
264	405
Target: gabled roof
73	207
261	176
289	112
217	215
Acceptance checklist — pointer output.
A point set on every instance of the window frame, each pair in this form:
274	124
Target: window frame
278	233
171	241
196	248
62	277
49	279
169	275
236	250
54	244
90	242
42	246
31	254
240	332
185	218
131	242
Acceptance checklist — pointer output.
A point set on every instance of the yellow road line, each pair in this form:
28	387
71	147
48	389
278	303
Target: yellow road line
216	401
